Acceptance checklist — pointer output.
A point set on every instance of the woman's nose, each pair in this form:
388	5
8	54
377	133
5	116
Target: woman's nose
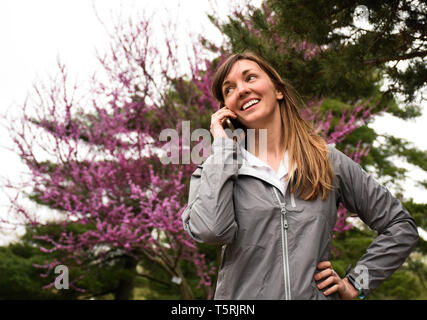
242	89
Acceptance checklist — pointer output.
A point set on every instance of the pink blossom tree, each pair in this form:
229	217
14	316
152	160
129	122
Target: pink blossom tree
95	160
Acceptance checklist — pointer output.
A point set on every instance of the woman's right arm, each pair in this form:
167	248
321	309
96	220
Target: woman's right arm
209	216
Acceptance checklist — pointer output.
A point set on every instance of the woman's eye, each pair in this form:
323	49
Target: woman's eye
227	90
250	77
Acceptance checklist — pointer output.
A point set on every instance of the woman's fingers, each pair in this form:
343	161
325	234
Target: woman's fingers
324	264
328	281
323	274
218	119
223	113
331	282
225	110
328	277
331	290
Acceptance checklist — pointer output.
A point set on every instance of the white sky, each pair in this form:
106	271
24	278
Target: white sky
34	33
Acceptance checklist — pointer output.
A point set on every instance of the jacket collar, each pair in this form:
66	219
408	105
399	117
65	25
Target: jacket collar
255	167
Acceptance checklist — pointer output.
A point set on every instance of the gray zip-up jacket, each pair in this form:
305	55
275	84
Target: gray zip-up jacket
272	242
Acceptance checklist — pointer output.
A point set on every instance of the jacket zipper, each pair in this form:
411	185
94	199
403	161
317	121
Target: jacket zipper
284	232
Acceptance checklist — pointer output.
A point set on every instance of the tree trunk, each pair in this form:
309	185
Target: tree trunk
124	290
185	290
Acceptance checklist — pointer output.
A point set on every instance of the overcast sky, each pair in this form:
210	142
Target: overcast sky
34	33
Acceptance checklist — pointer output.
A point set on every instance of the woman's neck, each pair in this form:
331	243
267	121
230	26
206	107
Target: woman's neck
268	141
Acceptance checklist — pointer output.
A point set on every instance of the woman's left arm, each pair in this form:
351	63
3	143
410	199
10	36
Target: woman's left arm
382	212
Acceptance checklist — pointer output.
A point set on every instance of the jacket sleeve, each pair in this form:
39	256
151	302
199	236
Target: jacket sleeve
209	216
375	206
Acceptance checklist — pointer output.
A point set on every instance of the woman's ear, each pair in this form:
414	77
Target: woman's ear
279	95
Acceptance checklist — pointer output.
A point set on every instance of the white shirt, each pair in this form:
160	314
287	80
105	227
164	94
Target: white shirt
258	164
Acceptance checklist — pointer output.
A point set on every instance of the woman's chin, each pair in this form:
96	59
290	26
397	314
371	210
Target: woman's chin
255	121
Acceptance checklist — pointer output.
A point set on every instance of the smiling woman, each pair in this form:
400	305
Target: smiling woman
254	92
275	218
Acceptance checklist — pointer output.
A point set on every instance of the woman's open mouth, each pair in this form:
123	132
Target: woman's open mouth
250	104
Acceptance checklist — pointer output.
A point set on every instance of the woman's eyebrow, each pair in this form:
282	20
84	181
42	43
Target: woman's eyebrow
243	73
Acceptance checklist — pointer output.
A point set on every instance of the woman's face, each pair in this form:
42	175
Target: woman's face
250	93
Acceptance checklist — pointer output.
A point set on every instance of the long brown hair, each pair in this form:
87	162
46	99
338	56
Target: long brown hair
310	170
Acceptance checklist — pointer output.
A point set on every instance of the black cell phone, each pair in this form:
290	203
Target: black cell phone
230	124
234	124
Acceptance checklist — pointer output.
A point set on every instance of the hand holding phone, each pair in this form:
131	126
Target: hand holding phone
219	120
232	127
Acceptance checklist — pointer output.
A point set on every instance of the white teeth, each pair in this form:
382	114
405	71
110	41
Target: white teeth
250	103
